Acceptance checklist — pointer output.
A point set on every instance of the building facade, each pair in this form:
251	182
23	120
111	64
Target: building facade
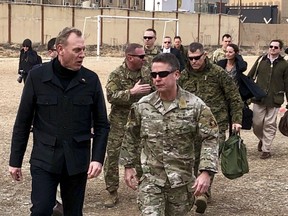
282	6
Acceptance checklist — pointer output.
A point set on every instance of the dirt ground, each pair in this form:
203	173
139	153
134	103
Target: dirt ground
263	191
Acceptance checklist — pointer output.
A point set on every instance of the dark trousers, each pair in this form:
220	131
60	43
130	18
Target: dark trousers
44	187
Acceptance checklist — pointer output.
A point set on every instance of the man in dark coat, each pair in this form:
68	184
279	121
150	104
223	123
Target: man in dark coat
167	48
63	99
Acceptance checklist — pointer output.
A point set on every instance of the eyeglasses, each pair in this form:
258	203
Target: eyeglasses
139	56
275	47
167	42
147	37
161	74
191	58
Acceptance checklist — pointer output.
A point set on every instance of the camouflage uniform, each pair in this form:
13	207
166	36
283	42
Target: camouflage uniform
218	55
150	54
166	138
217	89
118	94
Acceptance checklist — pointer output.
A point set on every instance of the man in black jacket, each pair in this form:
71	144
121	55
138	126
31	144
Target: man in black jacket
167	48
63	99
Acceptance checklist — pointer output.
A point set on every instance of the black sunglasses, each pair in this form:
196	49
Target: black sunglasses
139	56
161	74
191	58
275	47
167	42
147	37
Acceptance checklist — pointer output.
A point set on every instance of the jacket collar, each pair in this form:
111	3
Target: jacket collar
49	75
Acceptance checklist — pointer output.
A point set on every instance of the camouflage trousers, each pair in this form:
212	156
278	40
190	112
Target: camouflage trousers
111	165
154	200
222	138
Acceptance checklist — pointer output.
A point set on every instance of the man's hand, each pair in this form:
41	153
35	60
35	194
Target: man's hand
130	178
16	173
95	168
202	183
140	88
236	127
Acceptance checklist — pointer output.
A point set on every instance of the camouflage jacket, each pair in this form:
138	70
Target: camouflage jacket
118	86
150	54
217	89
218	55
166	138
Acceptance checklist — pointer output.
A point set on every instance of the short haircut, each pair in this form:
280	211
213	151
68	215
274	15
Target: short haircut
168	37
51	44
178	37
169	59
227	36
151	29
193	47
132	47
65	33
281	44
234	46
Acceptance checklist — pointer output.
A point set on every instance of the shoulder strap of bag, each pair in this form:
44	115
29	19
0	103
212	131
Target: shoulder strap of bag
256	71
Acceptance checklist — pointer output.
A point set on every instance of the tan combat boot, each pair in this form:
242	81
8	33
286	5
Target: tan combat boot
201	204
111	200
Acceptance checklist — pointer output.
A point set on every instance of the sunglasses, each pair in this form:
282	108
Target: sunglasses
167	42
275	47
161	74
147	37
139	56
191	58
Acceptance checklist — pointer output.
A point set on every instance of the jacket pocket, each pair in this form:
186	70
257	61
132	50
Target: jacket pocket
83	101
279	98
82	107
47	100
44	147
47	107
81	138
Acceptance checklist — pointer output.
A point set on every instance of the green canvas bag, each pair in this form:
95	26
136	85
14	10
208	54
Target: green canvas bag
234	161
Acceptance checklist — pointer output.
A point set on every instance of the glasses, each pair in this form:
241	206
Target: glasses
167	42
147	37
275	47
191	58
161	74
139	56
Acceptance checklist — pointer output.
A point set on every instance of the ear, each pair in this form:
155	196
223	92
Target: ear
177	74
60	49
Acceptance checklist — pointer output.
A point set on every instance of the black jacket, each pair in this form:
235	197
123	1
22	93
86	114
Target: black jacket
27	60
62	121
247	87
177	53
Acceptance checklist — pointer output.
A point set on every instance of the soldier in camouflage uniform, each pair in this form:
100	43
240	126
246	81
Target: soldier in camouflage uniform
125	85
164	125
217	89
219	53
149	45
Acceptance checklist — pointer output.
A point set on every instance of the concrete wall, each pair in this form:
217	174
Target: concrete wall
259	35
40	23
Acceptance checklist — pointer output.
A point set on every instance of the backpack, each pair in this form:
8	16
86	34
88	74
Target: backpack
234	163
